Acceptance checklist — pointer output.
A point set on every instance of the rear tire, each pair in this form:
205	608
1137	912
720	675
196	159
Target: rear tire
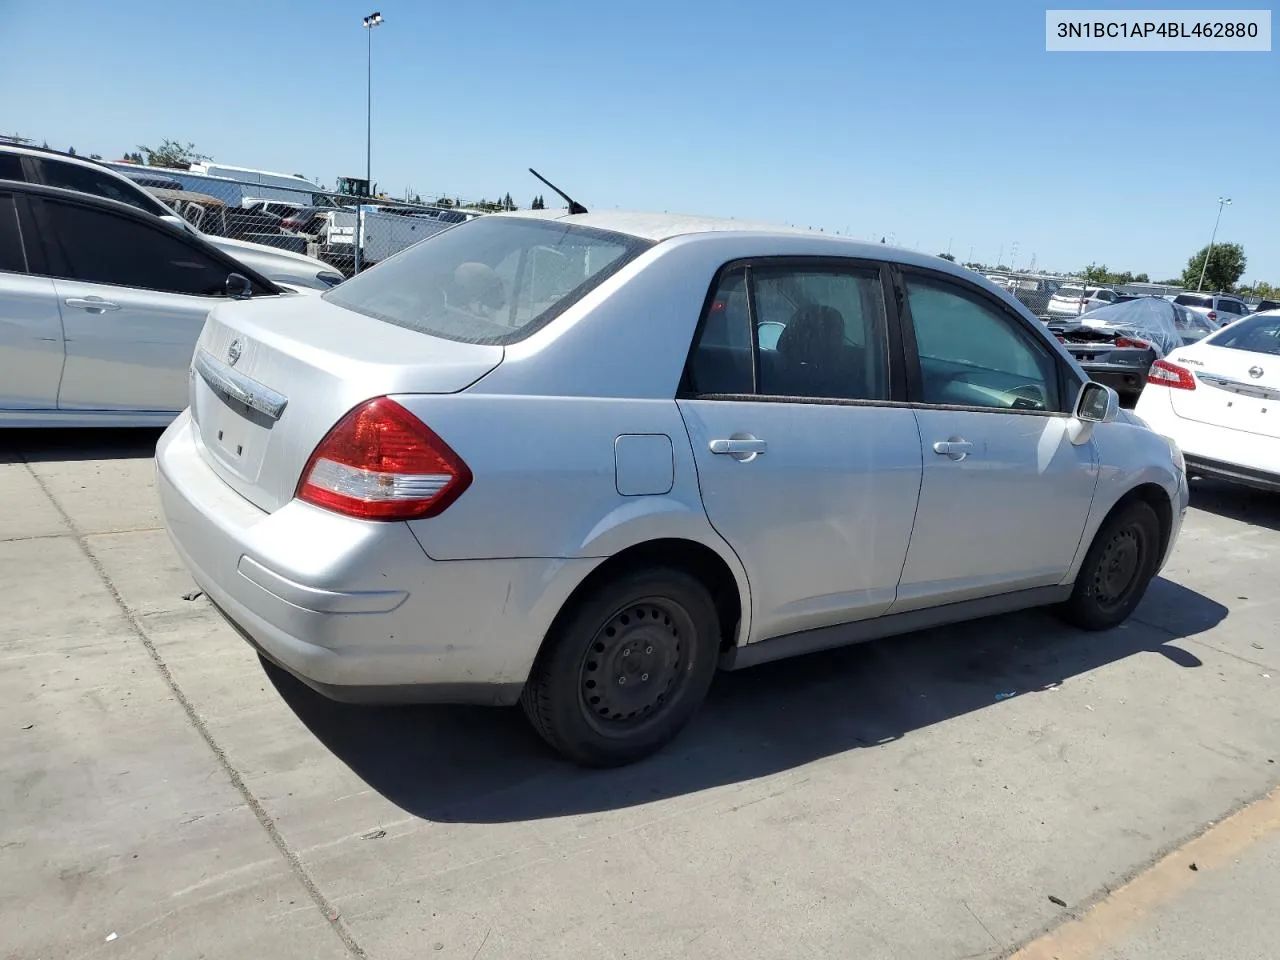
626	668
1116	571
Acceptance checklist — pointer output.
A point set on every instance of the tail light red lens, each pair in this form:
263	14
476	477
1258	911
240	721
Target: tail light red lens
1171	375
1133	342
380	462
1213	315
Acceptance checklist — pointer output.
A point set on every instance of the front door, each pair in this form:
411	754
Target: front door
811	482
134	296
1005	493
30	326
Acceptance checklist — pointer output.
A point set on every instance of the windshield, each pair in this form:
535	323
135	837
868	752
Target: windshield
1256	335
494	280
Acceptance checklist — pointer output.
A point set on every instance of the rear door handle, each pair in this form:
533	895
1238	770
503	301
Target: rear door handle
92	304
740	448
956	449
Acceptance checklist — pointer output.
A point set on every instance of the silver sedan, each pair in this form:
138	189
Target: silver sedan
581	461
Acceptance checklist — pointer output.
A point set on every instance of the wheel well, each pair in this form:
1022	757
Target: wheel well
1155	497
695	559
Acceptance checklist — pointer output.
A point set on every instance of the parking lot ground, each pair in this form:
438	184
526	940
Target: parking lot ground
166	795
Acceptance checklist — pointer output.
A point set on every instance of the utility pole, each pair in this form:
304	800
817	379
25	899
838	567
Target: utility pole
1222	202
372	20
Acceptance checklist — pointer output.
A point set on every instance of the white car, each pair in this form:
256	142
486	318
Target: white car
1073	301
1219	400
53	169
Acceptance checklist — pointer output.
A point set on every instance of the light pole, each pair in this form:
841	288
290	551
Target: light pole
372	20
1222	202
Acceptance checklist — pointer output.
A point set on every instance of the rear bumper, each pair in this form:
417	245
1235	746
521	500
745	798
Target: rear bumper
1214	451
1260	479
353	608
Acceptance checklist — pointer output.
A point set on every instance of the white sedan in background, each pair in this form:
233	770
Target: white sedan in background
1219	400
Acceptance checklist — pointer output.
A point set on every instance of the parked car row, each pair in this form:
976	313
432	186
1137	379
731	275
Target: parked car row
37	166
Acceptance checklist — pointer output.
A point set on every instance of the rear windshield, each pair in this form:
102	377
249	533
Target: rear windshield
494	280
1191	300
1070	292
1257	335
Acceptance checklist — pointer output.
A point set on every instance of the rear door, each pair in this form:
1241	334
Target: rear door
134	296
1005	493
1237	375
807	458
30	325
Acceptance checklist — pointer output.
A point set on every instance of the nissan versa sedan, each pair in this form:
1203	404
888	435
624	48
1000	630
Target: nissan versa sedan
553	459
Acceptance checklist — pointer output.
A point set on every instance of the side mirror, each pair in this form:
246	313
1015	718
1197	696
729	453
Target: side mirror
238	286
1095	403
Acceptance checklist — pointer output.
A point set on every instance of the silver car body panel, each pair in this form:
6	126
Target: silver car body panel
580	449
31	345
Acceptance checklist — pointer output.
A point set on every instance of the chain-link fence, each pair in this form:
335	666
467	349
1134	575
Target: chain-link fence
1057	297
344	229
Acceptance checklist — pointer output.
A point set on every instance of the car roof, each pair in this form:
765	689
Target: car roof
657	227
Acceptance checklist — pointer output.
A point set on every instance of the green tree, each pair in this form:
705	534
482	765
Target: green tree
95	156
508	203
71	151
1226	266
947	256
973	265
1142	278
173	154
538	203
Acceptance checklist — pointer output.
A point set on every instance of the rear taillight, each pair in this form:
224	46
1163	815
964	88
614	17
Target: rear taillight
1213	315
1132	342
1171	375
380	462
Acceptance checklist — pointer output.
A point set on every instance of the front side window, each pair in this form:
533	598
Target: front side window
494	280
99	183
11	167
12	257
973	354
102	247
1230	306
1256	335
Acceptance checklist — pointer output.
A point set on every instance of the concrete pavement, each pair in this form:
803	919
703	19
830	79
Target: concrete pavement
883	801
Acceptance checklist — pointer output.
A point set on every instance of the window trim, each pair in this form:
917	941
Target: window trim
1067	383
57	265
894	356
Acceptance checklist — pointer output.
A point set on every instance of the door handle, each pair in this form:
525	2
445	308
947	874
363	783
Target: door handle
92	304
740	447
955	448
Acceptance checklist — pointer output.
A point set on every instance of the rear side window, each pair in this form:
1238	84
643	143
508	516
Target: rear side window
494	280
12	257
101	247
99	183
819	333
1230	306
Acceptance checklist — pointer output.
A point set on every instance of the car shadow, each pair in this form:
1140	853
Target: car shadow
486	765
1236	502
43	446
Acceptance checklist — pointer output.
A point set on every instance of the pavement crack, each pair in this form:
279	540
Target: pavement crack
327	910
980	923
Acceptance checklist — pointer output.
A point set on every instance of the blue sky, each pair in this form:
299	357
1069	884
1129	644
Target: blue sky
935	123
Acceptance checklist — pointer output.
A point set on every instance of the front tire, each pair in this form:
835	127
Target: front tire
1116	571
626	668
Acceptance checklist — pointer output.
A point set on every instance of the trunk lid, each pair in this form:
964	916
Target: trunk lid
270	377
1236	389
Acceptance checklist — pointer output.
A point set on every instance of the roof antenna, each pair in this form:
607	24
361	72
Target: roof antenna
574	205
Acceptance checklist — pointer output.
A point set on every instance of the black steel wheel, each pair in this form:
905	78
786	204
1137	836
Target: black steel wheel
626	669
1117	569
